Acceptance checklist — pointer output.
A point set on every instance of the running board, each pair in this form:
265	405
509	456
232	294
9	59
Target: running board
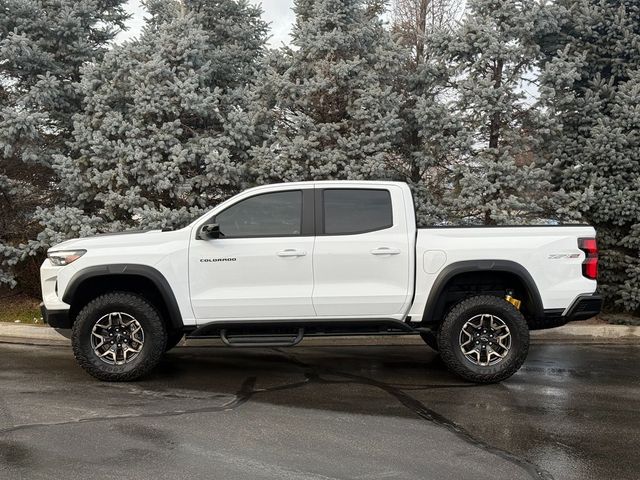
290	332
261	340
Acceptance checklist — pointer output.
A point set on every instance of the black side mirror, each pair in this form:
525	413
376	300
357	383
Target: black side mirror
209	231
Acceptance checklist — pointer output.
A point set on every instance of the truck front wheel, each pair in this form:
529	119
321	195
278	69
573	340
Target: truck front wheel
484	339
118	337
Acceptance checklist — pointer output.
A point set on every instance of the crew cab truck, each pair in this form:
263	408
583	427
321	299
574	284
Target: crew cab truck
280	262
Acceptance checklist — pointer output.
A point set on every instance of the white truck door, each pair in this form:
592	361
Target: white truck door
361	259
261	266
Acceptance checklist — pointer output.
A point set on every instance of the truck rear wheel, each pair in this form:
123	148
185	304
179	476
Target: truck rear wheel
118	337
484	339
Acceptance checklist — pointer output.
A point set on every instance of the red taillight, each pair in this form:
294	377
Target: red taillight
590	264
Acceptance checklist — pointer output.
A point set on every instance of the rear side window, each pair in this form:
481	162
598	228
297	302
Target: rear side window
351	211
277	214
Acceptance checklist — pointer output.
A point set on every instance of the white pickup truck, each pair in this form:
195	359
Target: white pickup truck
280	262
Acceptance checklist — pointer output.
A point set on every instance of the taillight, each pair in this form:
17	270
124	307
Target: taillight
590	264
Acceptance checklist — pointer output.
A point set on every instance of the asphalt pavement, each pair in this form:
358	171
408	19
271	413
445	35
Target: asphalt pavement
373	412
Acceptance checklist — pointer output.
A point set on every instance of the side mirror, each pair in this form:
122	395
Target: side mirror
209	231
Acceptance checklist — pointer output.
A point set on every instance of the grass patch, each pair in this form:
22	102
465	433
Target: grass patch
20	308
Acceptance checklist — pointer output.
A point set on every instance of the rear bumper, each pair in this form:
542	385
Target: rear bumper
55	318
583	307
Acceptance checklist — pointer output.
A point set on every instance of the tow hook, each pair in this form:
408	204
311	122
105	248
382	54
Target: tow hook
513	301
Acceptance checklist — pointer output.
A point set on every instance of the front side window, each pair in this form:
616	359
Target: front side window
277	214
351	211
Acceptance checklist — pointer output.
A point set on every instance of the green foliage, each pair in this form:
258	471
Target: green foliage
498	178
164	132
43	45
590	84
334	111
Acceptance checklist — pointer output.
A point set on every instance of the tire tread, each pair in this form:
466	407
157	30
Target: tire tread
147	362
447	329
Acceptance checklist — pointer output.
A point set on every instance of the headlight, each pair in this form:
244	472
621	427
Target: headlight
65	257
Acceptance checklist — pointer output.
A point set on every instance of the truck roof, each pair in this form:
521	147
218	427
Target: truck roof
331	182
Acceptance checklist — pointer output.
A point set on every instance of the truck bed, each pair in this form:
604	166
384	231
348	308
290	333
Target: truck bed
549	254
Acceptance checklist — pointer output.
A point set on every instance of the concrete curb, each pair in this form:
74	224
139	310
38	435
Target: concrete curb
589	333
575	333
31	335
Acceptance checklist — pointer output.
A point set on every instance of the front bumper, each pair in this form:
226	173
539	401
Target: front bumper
55	318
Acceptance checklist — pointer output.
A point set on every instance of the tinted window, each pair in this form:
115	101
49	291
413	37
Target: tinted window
268	215
356	211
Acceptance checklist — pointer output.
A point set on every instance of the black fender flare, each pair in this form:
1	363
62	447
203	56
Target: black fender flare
508	266
150	273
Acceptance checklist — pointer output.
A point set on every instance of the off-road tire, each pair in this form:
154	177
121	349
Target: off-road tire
431	339
155	336
449	335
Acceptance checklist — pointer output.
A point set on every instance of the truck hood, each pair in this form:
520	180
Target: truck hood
126	238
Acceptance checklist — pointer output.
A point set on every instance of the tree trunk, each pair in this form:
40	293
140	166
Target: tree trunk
494	127
423	8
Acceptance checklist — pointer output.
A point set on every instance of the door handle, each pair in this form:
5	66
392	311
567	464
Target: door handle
291	252
385	251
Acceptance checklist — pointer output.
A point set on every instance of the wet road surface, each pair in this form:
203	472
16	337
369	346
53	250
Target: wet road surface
376	412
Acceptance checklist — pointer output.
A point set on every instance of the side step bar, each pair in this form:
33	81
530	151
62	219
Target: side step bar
288	333
291	330
261	340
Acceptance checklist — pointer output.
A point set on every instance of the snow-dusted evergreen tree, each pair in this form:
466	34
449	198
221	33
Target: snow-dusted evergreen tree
432	138
491	57
432	142
414	20
164	131
161	11
43	44
617	140
237	36
335	113
590	85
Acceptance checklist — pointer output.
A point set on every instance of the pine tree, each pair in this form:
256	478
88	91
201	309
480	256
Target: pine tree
161	11
164	132
492	56
335	112
43	45
431	137
617	138
415	20
434	138
590	86
237	36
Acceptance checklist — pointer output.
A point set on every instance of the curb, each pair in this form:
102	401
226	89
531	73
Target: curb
31	335
572	333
